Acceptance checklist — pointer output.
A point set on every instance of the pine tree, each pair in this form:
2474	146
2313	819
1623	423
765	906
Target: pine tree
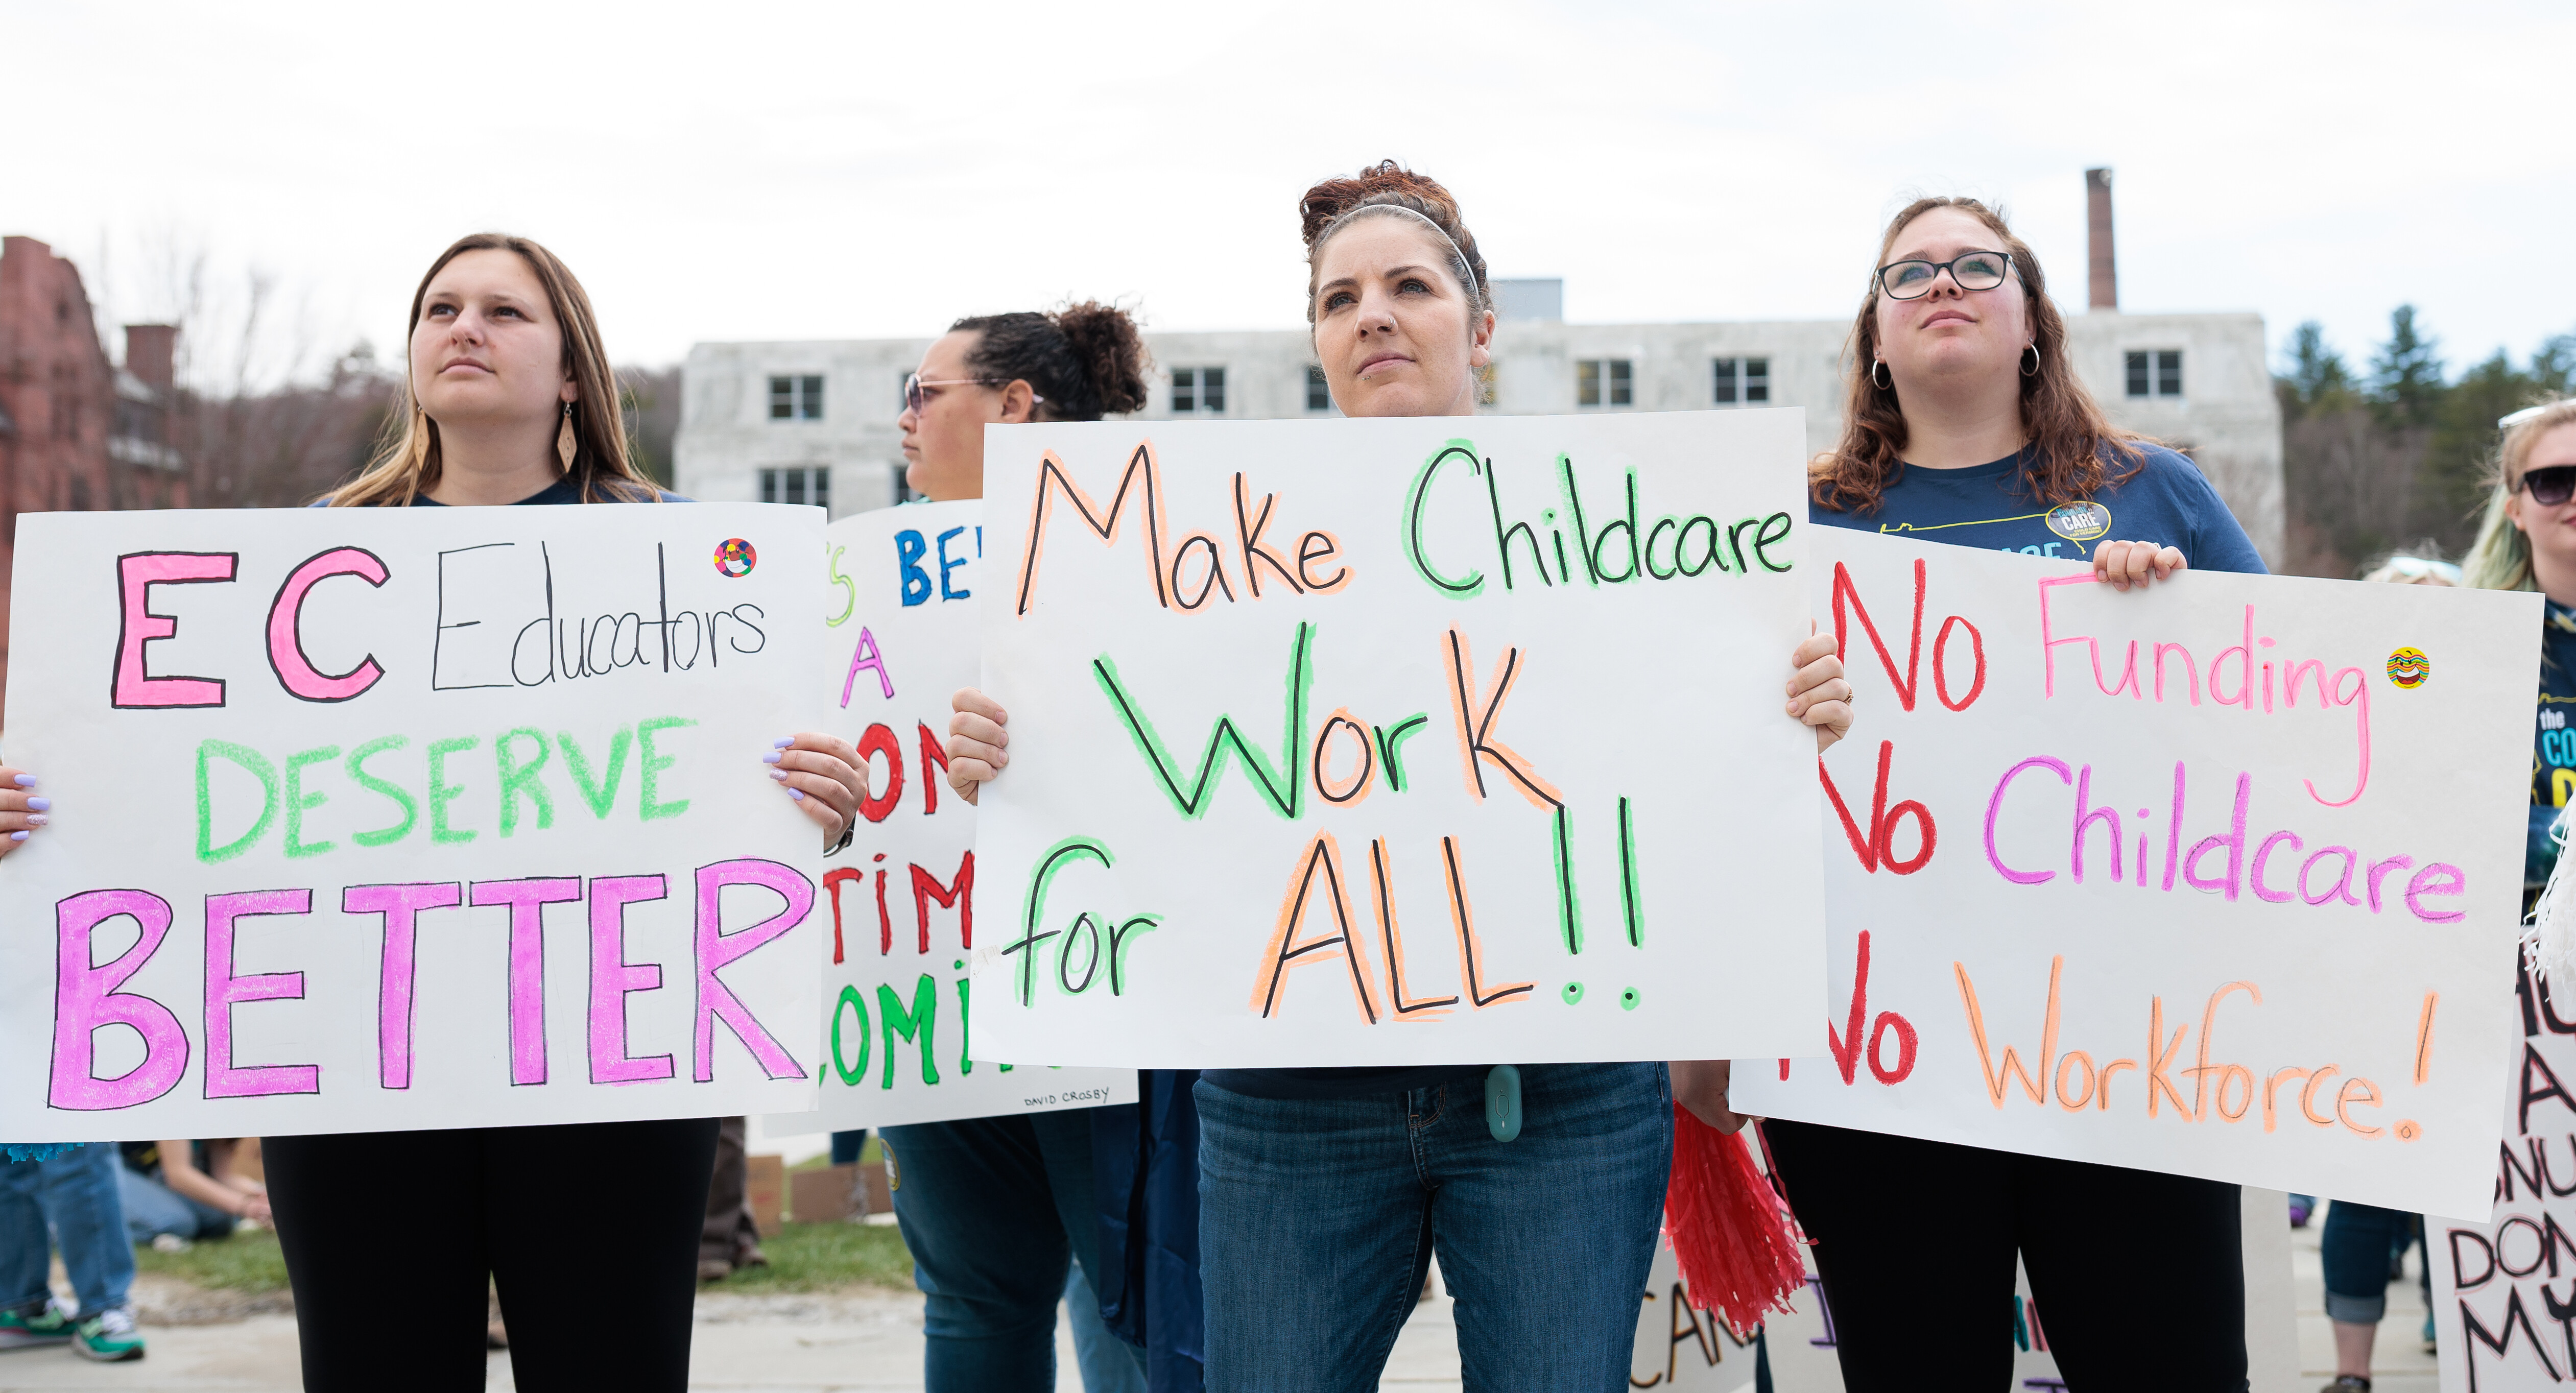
2406	374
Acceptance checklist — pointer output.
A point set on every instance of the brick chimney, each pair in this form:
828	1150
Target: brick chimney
2097	210
151	352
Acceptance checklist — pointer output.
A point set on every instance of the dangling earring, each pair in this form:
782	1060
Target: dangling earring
566	443
1878	374
2032	370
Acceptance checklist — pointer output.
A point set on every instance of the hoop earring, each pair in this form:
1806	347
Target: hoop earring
2033	369
566	443
1877	374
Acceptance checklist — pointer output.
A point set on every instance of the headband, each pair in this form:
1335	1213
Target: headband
1464	264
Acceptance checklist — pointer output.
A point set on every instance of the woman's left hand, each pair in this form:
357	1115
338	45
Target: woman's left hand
1700	1085
1818	695
825	776
2121	565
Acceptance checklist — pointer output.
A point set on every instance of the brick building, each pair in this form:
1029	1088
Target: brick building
76	431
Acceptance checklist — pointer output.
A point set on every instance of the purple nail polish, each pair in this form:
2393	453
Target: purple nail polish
17	836
783	742
778	774
40	805
26	781
796	793
36	819
770	758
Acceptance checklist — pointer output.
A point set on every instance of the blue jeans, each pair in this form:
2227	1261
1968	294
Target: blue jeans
153	1209
2360	1244
1318	1219
74	1195
994	1210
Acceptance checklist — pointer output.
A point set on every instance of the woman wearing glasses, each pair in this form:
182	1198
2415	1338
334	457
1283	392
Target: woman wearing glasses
994	1208
1323	1193
2527	541
1965	415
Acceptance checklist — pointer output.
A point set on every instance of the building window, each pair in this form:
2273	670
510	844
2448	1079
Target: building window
1602	382
797	486
2156	374
1319	393
796	398
1741	380
1198	389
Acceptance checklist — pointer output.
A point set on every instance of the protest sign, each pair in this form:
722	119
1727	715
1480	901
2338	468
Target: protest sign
901	615
1397	741
402	818
2219	879
2504	1291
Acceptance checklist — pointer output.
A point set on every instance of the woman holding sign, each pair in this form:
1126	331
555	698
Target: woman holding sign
1967	417
993	1208
1324	1192
509	399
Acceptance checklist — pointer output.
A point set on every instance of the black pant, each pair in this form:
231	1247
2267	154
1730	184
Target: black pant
590	1231
2138	1277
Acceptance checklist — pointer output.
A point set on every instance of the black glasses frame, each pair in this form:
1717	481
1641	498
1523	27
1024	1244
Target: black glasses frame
2551	484
1938	267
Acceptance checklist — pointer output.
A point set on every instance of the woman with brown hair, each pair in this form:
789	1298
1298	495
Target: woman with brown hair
509	399
1965	415
1323	1193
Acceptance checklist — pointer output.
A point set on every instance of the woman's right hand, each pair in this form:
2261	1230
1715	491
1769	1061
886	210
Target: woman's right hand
976	741
22	810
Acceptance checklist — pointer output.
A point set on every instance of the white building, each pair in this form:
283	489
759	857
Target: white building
815	421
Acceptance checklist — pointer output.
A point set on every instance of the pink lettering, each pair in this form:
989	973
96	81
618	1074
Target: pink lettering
865	658
527	900
286	655
87	998
717	949
2233	843
395	998
225	990
136	574
2436	879
612	977
1995	808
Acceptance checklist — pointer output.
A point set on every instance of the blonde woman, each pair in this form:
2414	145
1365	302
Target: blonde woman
509	399
2527	541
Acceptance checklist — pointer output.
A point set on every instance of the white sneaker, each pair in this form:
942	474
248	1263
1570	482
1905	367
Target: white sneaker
170	1243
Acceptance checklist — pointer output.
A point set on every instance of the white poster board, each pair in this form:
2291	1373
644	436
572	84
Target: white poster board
372	819
1398	741
898	1040
2504	1291
2233	813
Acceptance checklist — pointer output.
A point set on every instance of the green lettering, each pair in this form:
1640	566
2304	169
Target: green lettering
1473	583
1282	791
298	802
261	769
649	795
441	792
357	767
599	794
521	779
914	1025
851	1074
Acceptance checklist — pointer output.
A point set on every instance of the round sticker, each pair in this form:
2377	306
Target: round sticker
2409	668
2079	522
734	557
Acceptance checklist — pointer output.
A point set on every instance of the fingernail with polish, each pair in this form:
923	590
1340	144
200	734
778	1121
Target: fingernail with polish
17	836
778	774
26	781
36	819
782	743
41	805
770	758
796	793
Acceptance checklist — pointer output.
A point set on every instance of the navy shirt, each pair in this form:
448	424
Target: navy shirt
2166	501
2553	740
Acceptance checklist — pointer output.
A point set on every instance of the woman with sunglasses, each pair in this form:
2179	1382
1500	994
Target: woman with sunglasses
995	1209
2527	541
1965	415
1323	1193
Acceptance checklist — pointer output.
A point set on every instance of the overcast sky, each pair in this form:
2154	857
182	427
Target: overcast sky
784	170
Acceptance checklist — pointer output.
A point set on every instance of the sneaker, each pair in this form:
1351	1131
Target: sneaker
170	1243
2428	1332
108	1337
47	1326
2347	1383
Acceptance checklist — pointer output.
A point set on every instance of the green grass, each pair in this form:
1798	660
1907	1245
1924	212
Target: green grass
827	1257
249	1261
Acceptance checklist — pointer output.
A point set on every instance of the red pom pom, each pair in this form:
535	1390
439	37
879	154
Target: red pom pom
1731	1234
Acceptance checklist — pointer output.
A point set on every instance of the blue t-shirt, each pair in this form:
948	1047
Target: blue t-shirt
2553	747
2165	501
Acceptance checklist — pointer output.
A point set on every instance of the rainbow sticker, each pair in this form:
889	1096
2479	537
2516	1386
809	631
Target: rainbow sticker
2409	668
734	557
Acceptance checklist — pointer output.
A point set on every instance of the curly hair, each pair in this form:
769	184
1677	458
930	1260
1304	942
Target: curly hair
2070	449
1334	204
1086	359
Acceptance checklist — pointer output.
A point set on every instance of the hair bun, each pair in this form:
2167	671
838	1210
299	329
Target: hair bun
1105	341
1334	197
